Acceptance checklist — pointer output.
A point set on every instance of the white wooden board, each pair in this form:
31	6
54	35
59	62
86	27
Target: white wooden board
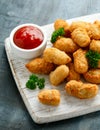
69	106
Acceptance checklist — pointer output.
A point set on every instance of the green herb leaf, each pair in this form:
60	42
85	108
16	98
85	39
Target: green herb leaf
34	81
33	77
56	33
93	58
41	83
30	84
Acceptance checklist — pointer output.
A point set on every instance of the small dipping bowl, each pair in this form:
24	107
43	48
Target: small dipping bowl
28	53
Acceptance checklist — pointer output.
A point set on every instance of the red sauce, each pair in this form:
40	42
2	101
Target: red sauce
28	37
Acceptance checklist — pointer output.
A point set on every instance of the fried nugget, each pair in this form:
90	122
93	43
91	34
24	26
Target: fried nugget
95	45
80	61
60	23
72	87
59	74
54	55
40	66
79	24
88	90
98	64
73	75
80	37
66	44
97	22
49	97
94	32
92	76
81	90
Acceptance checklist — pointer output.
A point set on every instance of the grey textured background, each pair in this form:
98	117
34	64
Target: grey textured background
13	113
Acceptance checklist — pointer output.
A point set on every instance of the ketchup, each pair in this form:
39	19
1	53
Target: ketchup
28	37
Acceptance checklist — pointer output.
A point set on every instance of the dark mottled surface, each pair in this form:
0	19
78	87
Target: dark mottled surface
13	113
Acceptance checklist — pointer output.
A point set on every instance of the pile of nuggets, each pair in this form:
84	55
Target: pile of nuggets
66	61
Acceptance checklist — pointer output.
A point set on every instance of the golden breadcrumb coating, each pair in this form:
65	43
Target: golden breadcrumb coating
95	45
59	74
97	23
66	44
60	23
40	66
73	75
79	24
92	76
80	37
80	61
49	97
54	55
98	64
81	90
72	87
94	32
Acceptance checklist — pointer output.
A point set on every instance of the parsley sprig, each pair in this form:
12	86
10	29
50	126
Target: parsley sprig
56	34
34	81
93	58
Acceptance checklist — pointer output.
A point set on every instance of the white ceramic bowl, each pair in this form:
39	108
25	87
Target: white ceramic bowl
27	53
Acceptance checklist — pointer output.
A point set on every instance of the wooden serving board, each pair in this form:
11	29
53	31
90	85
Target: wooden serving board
69	106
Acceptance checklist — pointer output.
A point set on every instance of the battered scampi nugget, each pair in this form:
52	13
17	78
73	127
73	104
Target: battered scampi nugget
79	24
59	74
72	86
95	45
80	61
66	44
98	64
97	23
94	32
73	75
81	90
92	76
40	66
54	55
60	23
80	37
49	97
